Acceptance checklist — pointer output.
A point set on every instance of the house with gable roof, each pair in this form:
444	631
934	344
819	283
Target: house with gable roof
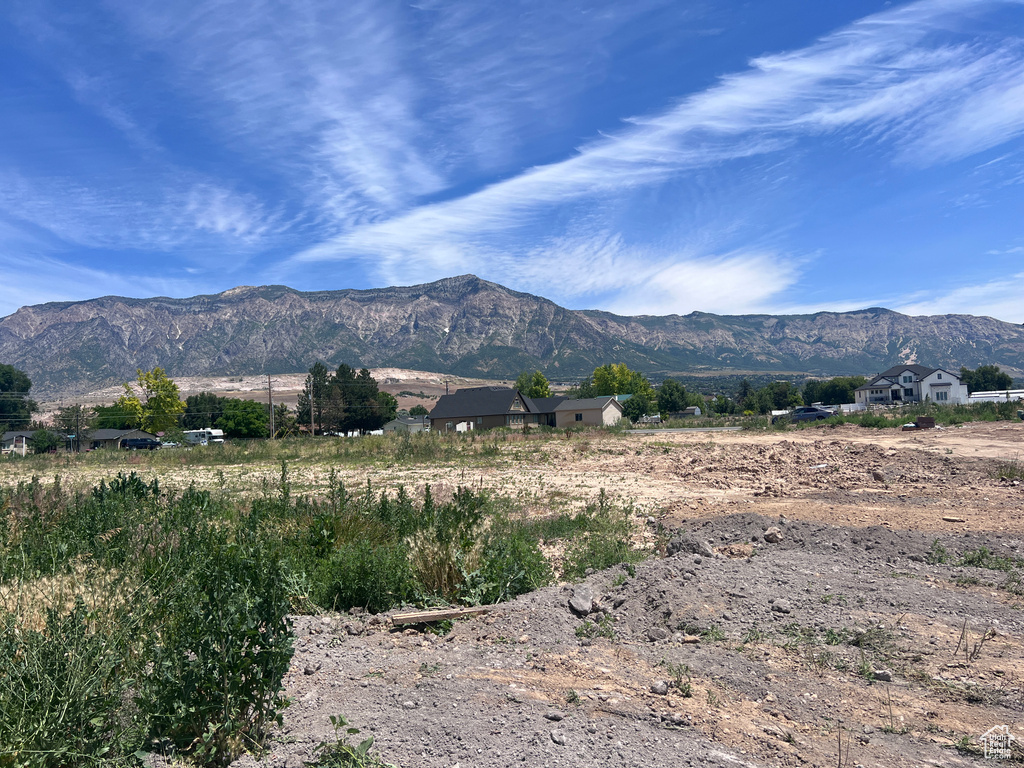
913	384
489	407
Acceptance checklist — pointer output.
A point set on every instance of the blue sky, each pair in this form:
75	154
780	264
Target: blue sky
649	157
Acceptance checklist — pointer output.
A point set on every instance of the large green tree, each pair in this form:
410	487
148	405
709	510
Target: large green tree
153	403
743	394
202	410
345	401
115	416
986	378
244	418
285	423
16	408
73	419
836	391
533	384
618	379
45	440
777	396
419	410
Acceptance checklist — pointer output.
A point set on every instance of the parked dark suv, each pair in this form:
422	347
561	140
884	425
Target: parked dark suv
140	444
804	413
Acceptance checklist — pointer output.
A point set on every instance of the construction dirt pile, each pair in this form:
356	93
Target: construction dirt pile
816	602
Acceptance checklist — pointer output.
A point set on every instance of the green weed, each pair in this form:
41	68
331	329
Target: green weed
340	754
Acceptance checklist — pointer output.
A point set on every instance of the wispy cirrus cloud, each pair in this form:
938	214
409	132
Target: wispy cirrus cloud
322	91
999	298
184	213
904	82
53	279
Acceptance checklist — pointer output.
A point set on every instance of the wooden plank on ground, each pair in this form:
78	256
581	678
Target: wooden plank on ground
441	614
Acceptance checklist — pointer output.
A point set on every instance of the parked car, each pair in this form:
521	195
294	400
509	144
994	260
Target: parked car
140	444
803	413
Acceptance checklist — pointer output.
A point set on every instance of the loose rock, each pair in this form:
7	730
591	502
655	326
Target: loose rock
582	601
782	606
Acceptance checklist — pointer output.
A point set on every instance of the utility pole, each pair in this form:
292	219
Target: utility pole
312	426
270	394
78	430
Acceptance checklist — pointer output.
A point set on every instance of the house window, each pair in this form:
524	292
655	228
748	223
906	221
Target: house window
515	419
579	417
941	396
908	379
938	376
908	392
479	420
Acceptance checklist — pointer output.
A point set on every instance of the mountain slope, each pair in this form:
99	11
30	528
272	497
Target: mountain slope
467	326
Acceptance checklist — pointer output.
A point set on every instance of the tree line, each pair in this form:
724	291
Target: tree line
343	401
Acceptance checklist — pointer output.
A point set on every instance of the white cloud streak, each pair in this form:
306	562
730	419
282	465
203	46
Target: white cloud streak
52	279
1000	298
165	218
899	78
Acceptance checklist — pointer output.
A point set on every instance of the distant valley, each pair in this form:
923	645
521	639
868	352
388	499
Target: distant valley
468	327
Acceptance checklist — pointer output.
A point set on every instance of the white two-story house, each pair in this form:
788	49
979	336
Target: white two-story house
913	384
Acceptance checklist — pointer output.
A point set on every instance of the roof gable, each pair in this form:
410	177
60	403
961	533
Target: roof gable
589	403
482	401
918	370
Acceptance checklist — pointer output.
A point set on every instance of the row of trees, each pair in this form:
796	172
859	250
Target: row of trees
344	401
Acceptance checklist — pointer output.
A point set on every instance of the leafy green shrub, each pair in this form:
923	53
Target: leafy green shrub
340	754
607	542
223	647
937	554
511	562
365	574
983	558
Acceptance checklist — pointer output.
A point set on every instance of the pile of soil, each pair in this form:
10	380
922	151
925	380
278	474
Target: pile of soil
732	651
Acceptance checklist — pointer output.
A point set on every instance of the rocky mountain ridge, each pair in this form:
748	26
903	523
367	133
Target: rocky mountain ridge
465	326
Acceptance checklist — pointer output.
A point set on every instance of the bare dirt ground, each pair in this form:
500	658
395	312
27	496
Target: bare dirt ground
843	643
838	645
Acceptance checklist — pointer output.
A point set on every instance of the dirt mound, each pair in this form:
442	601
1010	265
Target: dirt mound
758	654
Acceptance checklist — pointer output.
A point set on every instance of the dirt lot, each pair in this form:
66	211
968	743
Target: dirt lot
843	643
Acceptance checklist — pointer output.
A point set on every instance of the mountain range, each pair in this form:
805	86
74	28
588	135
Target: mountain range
466	326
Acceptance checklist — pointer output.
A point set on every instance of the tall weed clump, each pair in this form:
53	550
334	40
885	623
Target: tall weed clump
607	541
143	619
223	648
67	684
